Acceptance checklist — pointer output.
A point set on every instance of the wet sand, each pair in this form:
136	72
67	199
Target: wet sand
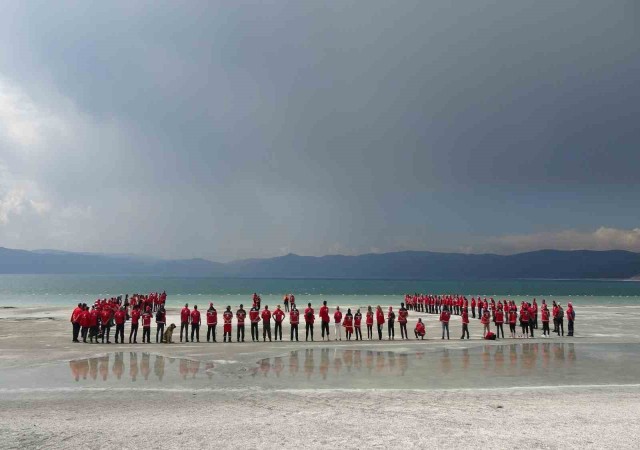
570	392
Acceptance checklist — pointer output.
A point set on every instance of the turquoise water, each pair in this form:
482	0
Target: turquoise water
33	290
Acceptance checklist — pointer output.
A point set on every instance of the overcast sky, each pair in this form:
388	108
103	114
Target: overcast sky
236	129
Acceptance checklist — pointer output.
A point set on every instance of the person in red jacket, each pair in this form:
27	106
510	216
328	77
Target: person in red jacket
420	330
571	317
545	321
348	324
499	320
309	318
524	320
391	329
254	317
465	323
75	322
266	323
185	316
337	319
120	317
278	317
294	320
161	320
444	319
212	321
93	324
369	321
146	325
485	320
357	324
513	319
135	317
105	322
402	320
227	318
379	321
241	314
324	320
473	307
85	320
195	323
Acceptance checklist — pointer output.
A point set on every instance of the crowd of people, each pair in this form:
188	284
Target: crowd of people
95	322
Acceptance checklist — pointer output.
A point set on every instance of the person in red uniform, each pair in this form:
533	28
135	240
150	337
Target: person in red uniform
212	321
324	320
513	319
465	323
75	322
391	319
402	320
420	330
135	317
499	321
444	319
278	317
309	318
266	323
106	316
241	314
146	326
195	323
524	320
545	321
254	317
161	320
348	324
357	324
294	320
85	320
485	320
185	316
369	322
379	321
227	318
337	318
120	317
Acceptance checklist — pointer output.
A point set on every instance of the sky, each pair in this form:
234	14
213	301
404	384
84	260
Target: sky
232	129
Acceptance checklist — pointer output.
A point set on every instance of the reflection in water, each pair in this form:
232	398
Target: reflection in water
94	368
489	360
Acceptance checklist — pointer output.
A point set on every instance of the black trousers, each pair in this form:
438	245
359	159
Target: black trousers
473	312
146	333
240	333
286	307
391	329
560	326
403	330
76	330
499	330
294	330
105	333
266	331
278	328
531	324
545	328
309	330
195	330
255	336
83	333
379	331
324	326
120	332
358	333
570	327
465	330
479	312
133	333
445	327
211	331
159	331
184	326
93	333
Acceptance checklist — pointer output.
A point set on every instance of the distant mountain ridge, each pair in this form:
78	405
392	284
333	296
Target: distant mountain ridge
543	264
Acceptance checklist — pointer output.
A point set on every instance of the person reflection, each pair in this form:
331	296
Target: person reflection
347	358
379	362
93	368
133	365
265	367
183	368
194	367
337	361
392	361
403	363
513	357
558	352
74	365
368	361
158	367
357	359
308	363
103	367
465	359
118	365
278	365
294	364
145	366
445	361
571	350
208	369
498	358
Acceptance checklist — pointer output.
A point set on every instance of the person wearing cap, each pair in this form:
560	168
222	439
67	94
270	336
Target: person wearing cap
278	317
241	314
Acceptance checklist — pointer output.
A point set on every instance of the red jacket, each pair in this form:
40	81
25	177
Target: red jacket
324	313
337	316
278	315
379	317
85	319
212	317
227	317
75	315
465	317
499	317
420	329
309	315
93	318
348	321
135	316
445	316
241	314
120	316
545	315
254	315
357	320
105	316
184	315
485	318
146	319
266	315
369	318
294	317
195	317
513	317
402	315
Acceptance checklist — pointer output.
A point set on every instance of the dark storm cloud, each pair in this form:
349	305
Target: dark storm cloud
235	129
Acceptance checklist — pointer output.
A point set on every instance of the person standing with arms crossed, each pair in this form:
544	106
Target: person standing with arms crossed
227	318
278	317
241	314
266	323
254	317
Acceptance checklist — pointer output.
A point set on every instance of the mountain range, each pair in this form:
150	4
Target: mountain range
543	264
